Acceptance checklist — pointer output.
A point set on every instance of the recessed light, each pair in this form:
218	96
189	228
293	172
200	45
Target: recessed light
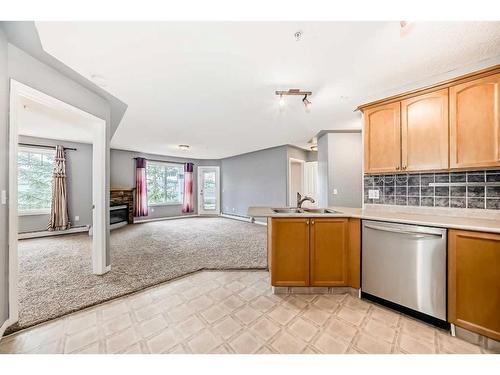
183	147
298	35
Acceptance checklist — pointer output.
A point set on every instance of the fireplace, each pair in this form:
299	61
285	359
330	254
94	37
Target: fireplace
118	214
121	210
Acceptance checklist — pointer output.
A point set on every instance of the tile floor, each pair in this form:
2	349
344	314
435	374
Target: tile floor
233	312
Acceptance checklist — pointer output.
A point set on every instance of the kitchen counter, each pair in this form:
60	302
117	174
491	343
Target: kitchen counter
463	219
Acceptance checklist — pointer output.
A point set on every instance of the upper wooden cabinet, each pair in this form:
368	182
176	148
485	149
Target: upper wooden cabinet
424	132
382	135
328	252
475	123
451	125
474	281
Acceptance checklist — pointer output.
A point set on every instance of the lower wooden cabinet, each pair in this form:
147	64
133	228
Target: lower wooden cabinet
289	252
328	252
474	281
314	251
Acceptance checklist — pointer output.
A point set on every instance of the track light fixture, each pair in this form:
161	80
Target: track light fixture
296	92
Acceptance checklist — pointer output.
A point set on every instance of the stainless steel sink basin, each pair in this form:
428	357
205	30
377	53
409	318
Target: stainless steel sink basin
289	210
321	211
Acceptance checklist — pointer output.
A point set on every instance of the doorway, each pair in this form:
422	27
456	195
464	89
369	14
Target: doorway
208	190
68	123
302	179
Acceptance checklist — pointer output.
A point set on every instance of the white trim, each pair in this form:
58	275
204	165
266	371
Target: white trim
201	211
46	233
99	127
164	204
141	221
291	196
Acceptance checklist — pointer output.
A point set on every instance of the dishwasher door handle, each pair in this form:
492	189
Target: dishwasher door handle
399	231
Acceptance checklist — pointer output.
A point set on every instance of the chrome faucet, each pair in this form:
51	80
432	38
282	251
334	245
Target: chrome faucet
301	200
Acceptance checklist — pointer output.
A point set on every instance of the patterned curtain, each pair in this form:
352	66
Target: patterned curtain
187	206
59	218
141	188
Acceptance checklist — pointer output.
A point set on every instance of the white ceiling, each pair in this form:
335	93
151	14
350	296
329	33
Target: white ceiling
38	120
211	85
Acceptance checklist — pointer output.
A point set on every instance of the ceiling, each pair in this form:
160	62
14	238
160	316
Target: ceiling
38	120
211	84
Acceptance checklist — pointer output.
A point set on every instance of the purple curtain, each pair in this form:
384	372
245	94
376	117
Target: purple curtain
141	188
59	218
187	206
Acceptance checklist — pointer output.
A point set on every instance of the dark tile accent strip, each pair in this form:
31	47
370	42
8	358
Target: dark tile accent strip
414	190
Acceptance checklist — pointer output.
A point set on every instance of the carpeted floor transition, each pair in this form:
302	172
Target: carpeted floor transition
55	272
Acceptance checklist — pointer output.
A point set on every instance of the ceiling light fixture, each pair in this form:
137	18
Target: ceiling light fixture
183	147
314	148
295	92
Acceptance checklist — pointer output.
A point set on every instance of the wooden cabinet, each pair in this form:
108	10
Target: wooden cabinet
314	251
424	132
474	281
382	136
328	252
451	125
289	240
475	123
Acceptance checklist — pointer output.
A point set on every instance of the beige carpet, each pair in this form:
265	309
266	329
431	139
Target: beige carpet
55	272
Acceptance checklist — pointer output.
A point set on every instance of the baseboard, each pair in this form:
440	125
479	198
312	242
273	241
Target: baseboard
4	326
243	218
46	233
140	221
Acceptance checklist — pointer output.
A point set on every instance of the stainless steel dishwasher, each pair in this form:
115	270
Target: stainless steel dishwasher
405	265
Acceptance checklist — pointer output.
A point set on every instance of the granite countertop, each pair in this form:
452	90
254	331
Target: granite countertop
465	219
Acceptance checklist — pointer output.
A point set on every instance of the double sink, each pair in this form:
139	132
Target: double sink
293	210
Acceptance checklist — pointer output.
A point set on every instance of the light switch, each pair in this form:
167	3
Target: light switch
335	192
4	197
373	194
77	218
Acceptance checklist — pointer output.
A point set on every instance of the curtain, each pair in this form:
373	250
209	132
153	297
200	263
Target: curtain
187	206
59	218
141	188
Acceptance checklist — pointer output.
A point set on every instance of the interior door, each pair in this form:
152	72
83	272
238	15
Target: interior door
208	191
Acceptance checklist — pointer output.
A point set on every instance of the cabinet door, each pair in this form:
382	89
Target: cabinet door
382	135
474	281
329	243
424	132
474	123
290	252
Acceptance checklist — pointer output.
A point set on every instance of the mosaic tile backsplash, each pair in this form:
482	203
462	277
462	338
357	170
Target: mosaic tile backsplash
414	189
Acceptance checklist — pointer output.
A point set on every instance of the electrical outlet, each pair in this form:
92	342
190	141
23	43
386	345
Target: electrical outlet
4	197
234	209
373	194
77	218
335	192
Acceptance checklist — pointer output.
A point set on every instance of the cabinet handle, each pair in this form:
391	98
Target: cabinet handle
404	167
307	221
397	168
312	222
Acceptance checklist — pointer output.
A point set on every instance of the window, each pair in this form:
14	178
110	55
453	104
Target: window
165	183
34	180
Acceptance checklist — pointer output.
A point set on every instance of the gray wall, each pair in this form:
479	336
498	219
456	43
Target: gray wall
340	167
254	179
123	175
79	185
4	180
